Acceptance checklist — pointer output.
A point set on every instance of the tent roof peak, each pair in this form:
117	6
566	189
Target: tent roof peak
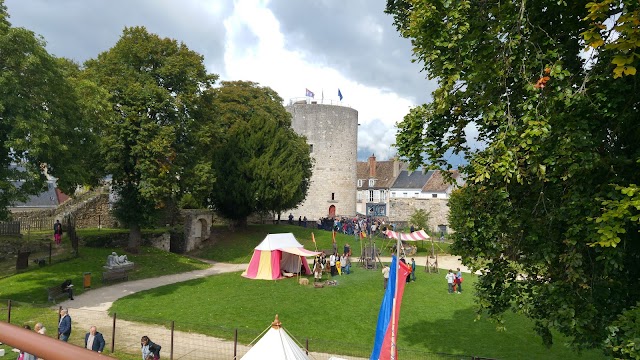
276	324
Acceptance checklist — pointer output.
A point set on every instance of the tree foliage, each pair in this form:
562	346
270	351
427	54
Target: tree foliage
262	164
154	86
420	218
550	211
42	126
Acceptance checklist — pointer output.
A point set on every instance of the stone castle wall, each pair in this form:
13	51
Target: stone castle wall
332	131
95	213
402	209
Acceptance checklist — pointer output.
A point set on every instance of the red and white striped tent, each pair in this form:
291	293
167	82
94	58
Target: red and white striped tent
414	236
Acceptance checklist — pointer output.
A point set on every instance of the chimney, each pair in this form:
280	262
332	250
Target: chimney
372	166
396	167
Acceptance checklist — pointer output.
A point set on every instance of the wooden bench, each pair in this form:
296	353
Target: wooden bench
55	292
115	274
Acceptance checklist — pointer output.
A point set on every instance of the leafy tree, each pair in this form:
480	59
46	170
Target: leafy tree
42	123
420	219
154	86
263	165
550	211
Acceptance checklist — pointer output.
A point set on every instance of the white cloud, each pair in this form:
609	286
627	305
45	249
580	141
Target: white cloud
289	72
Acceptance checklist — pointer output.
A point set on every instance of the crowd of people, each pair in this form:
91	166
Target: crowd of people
337	264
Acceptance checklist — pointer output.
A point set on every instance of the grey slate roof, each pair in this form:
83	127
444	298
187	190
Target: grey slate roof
412	180
46	199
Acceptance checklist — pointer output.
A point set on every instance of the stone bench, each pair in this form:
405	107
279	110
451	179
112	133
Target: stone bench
115	274
55	292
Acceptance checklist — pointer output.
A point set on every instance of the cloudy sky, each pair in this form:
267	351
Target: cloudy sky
322	45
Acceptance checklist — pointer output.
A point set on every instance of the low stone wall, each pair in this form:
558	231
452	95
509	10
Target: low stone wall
400	210
95	213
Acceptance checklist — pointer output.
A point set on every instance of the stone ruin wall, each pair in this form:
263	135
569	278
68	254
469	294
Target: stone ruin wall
400	210
95	213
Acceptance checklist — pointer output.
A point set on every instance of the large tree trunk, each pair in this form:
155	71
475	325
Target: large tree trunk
237	224
135	238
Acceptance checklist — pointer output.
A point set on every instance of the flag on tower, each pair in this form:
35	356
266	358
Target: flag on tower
309	93
339	94
384	346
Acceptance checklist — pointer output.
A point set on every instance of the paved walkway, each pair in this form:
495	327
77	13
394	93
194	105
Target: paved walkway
91	308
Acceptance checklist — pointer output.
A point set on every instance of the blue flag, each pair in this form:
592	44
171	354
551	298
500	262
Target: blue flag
309	93
339	94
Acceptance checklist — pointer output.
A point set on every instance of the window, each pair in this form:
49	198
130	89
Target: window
371	195
359	196
434	195
372	182
311	148
416	194
404	194
382	195
359	182
333	196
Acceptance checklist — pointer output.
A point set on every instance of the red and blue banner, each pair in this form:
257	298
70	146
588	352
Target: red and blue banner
384	346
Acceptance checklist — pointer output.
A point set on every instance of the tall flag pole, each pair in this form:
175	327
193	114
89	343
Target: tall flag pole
384	347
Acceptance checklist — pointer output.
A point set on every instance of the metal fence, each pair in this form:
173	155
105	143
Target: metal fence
123	336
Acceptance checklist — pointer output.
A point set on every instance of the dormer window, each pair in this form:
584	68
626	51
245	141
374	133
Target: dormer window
372	182
359	182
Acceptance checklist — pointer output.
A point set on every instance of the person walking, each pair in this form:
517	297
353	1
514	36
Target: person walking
94	340
385	275
413	269
64	326
332	263
450	278
57	232
148	347
346	263
459	280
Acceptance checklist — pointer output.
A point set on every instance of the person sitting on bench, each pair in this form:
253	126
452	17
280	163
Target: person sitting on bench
67	287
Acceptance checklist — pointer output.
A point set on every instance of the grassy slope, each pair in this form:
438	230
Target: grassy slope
30	286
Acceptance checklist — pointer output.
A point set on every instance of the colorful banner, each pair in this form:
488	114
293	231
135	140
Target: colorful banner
384	346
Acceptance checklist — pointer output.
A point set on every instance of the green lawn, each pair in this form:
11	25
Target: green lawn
432	320
29	286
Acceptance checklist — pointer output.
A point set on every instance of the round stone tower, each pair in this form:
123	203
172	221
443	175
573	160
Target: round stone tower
332	135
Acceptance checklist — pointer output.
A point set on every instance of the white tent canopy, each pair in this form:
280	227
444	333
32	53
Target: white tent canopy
278	241
276	344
